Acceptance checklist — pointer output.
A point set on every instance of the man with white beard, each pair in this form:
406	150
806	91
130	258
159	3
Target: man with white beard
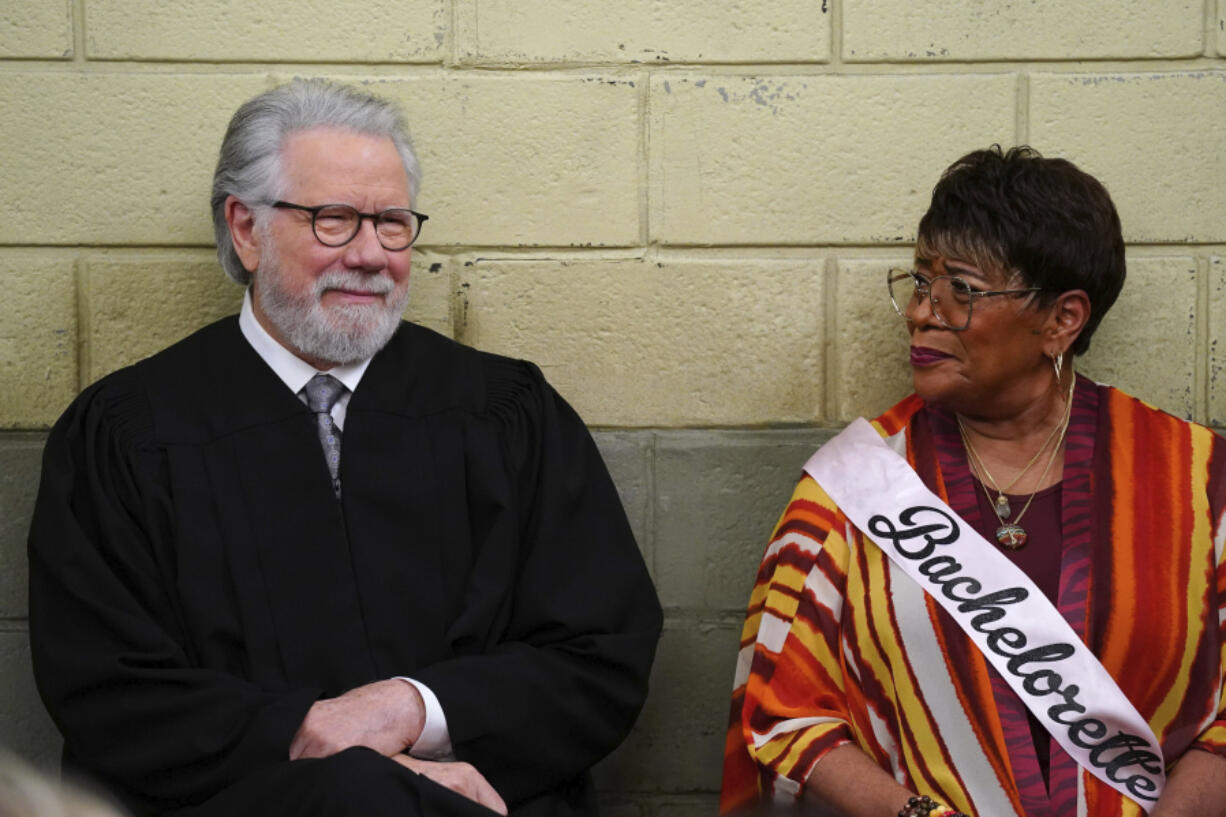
316	560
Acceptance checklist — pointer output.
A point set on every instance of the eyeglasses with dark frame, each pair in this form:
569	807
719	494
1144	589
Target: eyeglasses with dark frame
951	299
335	225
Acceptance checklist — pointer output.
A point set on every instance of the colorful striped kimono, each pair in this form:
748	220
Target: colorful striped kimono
840	646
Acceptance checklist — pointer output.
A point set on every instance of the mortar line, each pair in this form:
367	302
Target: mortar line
1210	30
649	513
1200	373
831	362
836	32
395	70
80	274
449	58
77	16
649	251
1021	120
644	147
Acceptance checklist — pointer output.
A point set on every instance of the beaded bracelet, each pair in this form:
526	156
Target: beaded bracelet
923	806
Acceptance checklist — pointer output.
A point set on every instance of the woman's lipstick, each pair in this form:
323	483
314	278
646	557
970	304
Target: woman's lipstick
923	356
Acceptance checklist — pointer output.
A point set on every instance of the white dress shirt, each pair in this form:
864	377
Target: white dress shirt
435	741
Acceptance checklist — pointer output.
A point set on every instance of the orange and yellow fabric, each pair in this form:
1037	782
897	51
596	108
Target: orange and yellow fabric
840	646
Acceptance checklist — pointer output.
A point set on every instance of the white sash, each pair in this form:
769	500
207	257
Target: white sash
1009	619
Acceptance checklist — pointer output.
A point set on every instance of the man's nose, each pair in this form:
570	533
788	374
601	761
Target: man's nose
364	250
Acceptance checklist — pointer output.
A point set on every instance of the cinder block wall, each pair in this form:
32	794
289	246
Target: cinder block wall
682	209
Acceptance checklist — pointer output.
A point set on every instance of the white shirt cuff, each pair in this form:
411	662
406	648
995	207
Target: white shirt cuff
434	742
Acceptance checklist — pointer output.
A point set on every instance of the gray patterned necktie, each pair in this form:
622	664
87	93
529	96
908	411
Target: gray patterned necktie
322	392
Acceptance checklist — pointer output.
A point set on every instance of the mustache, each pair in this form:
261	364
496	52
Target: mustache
353	282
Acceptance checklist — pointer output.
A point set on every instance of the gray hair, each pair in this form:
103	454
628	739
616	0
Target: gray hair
249	165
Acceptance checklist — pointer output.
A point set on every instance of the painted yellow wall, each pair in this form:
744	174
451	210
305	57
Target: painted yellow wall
681	209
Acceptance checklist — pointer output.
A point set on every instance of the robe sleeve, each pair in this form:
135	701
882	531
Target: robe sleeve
789	703
562	683
110	656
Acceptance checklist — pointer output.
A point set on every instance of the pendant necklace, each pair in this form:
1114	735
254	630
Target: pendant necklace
1001	503
1011	535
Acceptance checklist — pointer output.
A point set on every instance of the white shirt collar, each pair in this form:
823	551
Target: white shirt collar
293	370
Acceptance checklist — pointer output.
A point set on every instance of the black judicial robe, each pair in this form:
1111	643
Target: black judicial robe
195	585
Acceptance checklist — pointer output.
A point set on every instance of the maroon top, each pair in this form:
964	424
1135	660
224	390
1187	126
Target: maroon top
1039	559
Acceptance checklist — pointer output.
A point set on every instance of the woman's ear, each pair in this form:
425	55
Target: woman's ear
1066	319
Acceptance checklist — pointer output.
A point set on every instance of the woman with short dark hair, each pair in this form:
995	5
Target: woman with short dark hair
1006	595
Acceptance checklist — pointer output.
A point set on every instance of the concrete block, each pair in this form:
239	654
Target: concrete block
138	304
812	159
273	31
645	31
25	728
1146	345
20	466
432	292
628	456
521	160
1217	341
1148	138
872	368
673	343
677	744
718	497
36	29
38	337
902	31
106	158
612	805
507	159
1220	27
698	805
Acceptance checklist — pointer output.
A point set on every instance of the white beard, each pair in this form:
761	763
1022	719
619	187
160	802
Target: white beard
340	334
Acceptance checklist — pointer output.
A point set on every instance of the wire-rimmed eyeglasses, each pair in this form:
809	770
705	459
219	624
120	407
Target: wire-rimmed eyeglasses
335	225
950	298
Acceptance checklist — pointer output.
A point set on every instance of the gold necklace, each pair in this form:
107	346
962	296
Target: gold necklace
1001	503
1012	535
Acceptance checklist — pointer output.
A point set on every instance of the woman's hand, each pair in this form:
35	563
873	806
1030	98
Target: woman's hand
847	783
1196	787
